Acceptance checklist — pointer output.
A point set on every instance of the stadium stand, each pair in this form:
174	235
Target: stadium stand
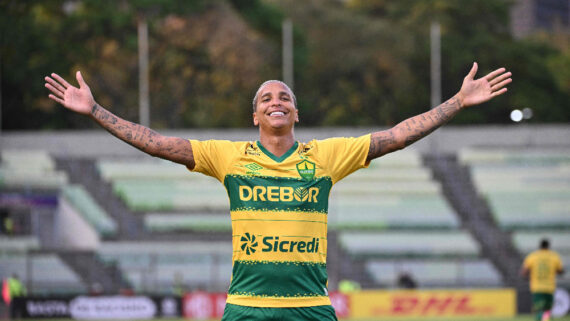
456	243
42	272
397	199
29	169
396	191
525	189
157	266
89	209
371	212
435	273
168	196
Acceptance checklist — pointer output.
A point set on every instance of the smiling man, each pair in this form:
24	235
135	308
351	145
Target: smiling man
279	187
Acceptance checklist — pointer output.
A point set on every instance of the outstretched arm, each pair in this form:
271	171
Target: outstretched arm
473	92
81	100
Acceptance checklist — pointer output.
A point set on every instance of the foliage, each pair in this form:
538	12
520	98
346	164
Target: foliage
357	62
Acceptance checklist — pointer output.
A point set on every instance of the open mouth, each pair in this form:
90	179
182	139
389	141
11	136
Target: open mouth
277	114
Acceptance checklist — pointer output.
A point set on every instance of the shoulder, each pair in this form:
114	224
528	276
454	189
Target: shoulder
216	143
554	254
531	256
342	141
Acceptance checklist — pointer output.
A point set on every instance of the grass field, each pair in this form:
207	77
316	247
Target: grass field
518	318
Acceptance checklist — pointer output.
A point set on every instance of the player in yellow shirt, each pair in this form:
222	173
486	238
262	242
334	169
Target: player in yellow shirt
542	266
279	187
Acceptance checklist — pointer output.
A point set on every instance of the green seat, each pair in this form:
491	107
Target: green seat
90	210
454	243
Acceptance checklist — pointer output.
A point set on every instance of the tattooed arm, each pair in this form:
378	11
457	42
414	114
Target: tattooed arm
473	92
147	140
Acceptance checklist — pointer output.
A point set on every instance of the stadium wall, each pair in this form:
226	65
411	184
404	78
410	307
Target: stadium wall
73	232
449	139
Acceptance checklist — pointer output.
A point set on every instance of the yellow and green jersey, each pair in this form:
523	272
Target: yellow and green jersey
544	266
278	208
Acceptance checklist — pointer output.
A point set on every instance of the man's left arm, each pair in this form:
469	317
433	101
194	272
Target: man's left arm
473	92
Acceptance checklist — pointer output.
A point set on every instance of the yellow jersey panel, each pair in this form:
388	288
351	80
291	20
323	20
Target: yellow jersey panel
278	207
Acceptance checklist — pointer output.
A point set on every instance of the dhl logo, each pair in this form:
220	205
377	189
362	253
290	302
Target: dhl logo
410	305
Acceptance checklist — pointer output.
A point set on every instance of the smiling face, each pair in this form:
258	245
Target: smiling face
275	107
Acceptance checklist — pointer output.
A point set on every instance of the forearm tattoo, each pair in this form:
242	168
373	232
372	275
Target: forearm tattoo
380	142
413	129
147	140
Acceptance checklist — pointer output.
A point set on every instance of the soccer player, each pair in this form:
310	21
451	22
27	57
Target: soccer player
278	187
542	265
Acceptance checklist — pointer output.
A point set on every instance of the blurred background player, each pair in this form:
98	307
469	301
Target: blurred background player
542	266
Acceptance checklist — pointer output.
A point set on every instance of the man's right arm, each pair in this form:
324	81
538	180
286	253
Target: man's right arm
175	149
80	100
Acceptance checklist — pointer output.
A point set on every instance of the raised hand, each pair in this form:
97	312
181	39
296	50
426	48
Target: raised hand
477	91
79	100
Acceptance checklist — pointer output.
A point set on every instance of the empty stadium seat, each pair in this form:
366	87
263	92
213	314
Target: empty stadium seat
524	189
161	222
157	185
396	191
454	243
18	244
42	273
90	210
429	273
156	265
29	169
528	241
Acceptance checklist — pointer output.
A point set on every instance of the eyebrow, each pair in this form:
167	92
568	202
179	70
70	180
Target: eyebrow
280	93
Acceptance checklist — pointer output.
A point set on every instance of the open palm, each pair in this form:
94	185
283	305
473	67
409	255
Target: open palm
79	100
477	91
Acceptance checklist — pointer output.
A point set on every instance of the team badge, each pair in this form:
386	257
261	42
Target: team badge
306	169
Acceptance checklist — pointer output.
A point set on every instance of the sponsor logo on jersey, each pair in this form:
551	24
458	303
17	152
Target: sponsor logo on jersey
278	194
306	169
274	244
248	243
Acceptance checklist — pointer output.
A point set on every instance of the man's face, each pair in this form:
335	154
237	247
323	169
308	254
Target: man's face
275	107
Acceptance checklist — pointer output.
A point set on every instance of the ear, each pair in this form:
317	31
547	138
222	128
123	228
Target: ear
296	115
255	121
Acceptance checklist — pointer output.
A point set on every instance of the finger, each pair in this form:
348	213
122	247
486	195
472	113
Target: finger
62	81
500	92
58	100
500	78
494	74
501	84
473	71
55	91
80	80
55	84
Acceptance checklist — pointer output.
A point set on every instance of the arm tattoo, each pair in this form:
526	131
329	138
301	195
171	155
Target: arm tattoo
413	129
147	140
379	142
428	122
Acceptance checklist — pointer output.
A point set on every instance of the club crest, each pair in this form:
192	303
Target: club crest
306	169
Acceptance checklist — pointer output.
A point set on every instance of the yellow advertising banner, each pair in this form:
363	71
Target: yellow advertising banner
433	303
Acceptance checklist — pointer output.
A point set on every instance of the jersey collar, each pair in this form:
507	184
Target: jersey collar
275	158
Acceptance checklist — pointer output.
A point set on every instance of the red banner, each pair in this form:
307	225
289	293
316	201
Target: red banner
6	292
203	305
